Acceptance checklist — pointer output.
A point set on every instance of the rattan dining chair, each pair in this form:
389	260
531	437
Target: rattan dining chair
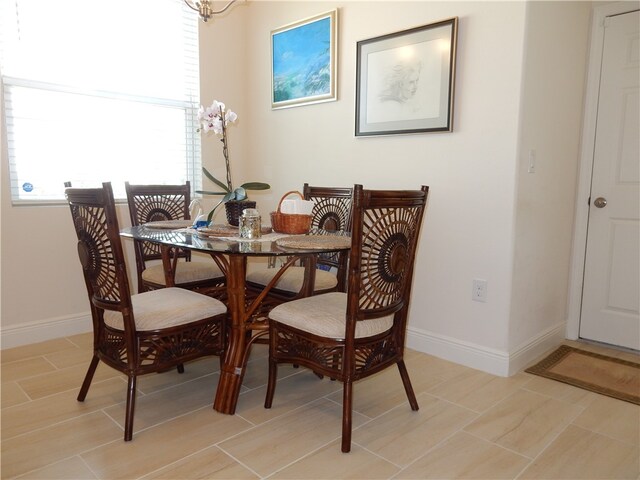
135	334
149	203
331	214
349	336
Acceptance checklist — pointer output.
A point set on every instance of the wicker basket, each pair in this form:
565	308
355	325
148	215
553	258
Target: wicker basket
291	223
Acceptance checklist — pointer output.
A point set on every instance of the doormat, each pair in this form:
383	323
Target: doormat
591	371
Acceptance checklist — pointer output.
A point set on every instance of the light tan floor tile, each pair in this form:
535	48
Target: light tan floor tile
402	435
21	369
41	413
560	391
330	463
163	445
62	380
478	390
210	463
580	454
259	351
159	381
525	422
82	340
468	457
166	404
57	437
70	357
275	444
292	392
12	395
56	443
69	469
613	418
257	373
374	395
34	350
435	366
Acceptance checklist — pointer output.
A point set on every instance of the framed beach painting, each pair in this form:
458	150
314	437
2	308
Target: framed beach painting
405	81
304	61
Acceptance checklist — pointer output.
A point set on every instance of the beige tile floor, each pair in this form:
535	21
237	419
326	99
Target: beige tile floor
470	424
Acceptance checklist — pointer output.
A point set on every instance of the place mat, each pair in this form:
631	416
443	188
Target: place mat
312	242
591	371
169	224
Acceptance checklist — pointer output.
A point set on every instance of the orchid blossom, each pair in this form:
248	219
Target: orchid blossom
216	118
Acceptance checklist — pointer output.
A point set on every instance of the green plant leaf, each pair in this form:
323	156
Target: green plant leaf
255	186
215	180
213	210
206	192
228	196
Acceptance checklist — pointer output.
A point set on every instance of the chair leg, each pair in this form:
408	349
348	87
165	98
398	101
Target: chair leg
347	404
181	368
88	377
271	384
404	374
131	406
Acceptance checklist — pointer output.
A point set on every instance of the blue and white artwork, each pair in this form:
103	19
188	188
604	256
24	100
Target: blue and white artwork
302	63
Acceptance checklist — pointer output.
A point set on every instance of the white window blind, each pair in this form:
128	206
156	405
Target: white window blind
99	91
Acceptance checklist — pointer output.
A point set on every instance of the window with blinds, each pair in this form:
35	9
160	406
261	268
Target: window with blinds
99	91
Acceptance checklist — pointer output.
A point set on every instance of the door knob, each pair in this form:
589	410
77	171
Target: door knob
600	202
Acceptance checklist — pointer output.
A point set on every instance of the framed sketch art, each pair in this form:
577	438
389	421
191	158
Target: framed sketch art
405	80
303	61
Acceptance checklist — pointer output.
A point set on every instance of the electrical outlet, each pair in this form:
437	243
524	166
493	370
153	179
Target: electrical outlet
479	293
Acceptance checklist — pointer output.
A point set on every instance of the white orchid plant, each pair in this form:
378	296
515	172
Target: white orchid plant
216	119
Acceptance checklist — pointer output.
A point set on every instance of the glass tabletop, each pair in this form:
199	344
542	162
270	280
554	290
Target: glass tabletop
267	245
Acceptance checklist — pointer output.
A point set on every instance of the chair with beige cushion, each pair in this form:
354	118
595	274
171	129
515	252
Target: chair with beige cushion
349	336
331	214
135	334
151	203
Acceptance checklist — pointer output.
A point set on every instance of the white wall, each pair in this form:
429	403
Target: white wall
552	100
468	228
469	222
476	223
472	224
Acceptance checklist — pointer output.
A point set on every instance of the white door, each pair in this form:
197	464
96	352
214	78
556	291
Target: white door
611	290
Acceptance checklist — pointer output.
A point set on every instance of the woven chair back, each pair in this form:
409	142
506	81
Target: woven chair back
99	246
385	230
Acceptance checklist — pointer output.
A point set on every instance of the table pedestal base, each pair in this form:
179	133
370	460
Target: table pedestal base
235	359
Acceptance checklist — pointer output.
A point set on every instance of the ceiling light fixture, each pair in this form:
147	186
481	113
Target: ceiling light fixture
205	8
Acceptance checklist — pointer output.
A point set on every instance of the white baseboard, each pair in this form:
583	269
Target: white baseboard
489	360
465	353
39	331
529	351
469	354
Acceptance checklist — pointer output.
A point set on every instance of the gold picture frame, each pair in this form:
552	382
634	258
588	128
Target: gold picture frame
304	61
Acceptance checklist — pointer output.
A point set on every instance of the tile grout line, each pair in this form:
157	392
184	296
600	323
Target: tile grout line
609	437
84	462
315	399
446	438
239	462
30	399
94	382
306	455
25	474
54	424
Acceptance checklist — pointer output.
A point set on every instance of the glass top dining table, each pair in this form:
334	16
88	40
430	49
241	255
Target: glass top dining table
246	313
